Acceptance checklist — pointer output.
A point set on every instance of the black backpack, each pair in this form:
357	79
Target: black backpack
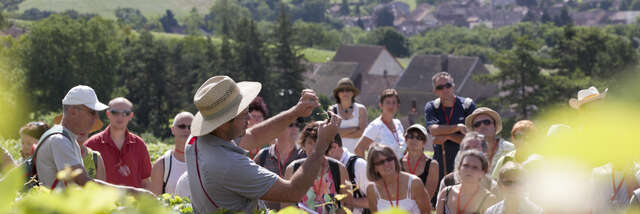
31	174
351	168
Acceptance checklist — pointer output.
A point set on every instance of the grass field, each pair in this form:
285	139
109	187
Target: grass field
317	55
106	8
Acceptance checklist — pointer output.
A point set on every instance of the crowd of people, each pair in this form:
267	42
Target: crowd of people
231	154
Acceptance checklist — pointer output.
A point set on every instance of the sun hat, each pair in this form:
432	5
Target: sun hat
484	110
96	125
219	100
345	83
83	95
418	127
586	96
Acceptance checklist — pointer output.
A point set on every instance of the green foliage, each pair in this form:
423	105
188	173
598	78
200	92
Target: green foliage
169	22
149	8
84	52
384	17
13	146
316	35
224	11
395	42
131	17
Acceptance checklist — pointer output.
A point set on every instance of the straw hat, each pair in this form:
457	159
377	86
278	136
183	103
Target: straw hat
219	100
586	96
484	110
345	83
96	125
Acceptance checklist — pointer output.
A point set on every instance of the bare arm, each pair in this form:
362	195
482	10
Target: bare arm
157	174
362	146
432	180
438	130
287	175
440	202
265	132
420	195
293	189
372	198
356	132
101	173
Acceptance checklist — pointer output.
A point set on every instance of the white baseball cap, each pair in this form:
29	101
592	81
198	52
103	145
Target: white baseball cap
83	95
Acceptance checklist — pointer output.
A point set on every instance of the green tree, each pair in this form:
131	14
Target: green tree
131	17
287	65
520	78
169	22
395	42
384	17
193	22
60	53
344	8
225	11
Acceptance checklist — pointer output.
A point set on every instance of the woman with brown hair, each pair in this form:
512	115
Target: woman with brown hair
391	187
385	129
416	162
353	114
469	196
29	136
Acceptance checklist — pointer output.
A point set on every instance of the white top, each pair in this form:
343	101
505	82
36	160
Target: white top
56	152
526	207
406	204
379	133
360	171
504	147
604	190
177	169
182	187
350	143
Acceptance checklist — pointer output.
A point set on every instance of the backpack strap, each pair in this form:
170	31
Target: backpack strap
95	159
297	165
166	158
351	168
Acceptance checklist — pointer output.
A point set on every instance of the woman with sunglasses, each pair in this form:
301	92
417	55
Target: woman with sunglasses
416	162
354	115
321	197
469	196
385	129
390	187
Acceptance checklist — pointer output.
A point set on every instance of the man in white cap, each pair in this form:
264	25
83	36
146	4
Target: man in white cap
220	173
58	147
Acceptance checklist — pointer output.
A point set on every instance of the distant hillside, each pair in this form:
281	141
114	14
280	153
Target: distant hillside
106	8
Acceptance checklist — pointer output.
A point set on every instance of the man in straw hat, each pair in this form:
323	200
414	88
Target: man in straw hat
487	122
58	147
587	96
220	173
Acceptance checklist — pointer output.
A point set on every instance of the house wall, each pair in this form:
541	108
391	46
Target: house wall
386	62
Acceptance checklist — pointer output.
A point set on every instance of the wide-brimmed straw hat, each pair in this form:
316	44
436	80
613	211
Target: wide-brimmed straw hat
219	100
484	110
586	96
345	83
96	125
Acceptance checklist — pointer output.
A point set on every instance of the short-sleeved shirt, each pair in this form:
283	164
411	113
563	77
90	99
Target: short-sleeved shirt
182	187
271	159
380	133
54	154
435	114
126	166
231	179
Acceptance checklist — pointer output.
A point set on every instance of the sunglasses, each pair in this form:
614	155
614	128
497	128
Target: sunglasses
343	90
380	162
486	122
417	137
510	183
184	126
446	85
115	112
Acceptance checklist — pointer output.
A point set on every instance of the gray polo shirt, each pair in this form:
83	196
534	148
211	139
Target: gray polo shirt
232	180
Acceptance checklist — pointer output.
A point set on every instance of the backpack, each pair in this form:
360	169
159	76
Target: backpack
167	173
31	174
263	156
351	167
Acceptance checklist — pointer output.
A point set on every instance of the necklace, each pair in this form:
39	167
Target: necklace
468	201
397	191
413	169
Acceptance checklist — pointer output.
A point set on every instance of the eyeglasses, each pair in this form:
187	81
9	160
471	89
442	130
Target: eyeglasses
486	122
510	183
446	85
343	90
184	126
380	162
115	112
417	137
